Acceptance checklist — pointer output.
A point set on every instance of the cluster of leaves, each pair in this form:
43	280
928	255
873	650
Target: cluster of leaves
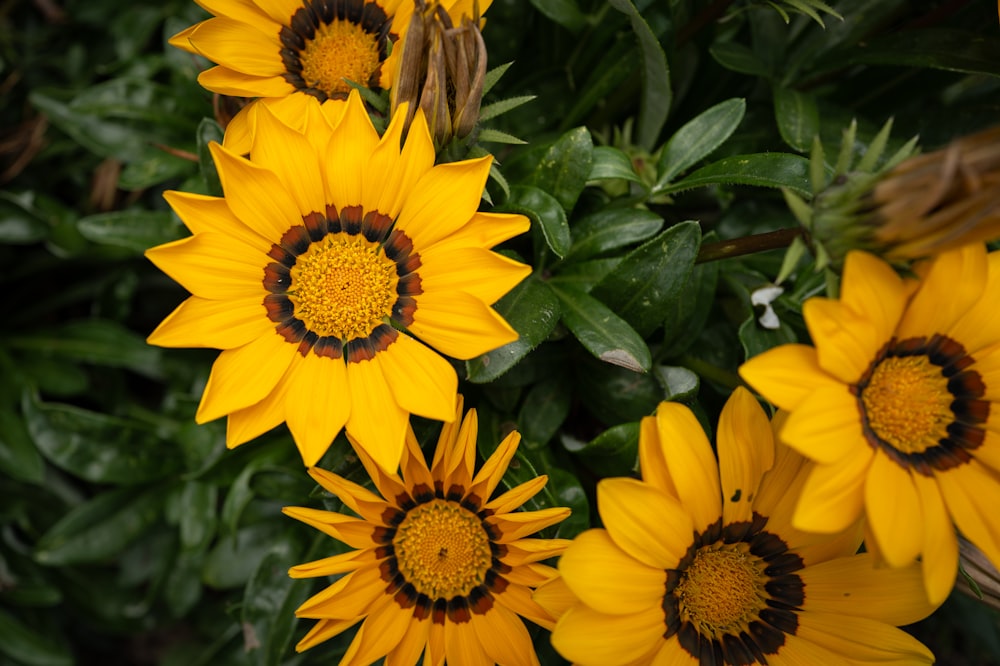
660	132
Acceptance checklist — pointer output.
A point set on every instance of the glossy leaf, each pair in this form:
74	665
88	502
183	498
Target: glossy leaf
614	395
679	384
268	612
565	166
19	457
756	339
233	560
610	229
798	117
533	310
611	163
651	278
564	12
583	275
199	508
603	333
612	453
684	320
136	230
545	212
762	170
543	410
697	139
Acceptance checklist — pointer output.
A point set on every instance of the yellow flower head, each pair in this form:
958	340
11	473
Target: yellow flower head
439	568
281	49
895	404
698	562
330	254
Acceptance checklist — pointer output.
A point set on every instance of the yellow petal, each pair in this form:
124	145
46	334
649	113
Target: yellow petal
833	496
826	426
407	651
746	451
331	566
242	377
972	494
555	597
238	46
376	421
280	11
691	463
517	496
423	382
672	654
382	631
485	230
492	471
524	551
979	327
348	597
241	10
322	631
393	173
213	266
201	213
459	325
182	40
199	322
255	195
644	522
463	646
226	81
893	511
948	291
481	273
652	458
504	637
854	585
249	422
359	499
355	532
353	141
846	342
861	639
317	407
455	455
443	200
291	157
607	578
939	558
586	636
872	288
786	375
518	599
514	526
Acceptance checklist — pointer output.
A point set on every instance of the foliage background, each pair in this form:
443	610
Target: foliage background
129	535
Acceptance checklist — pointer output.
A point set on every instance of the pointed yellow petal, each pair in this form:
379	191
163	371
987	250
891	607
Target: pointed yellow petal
939	558
280	11
201	213
353	141
833	496
291	157
242	377
212	266
517	496
376	420
182	40
423	382
476	271
362	501
650	526
979	327
413	465
382	631
407	651
846	342
354	532
786	375
317	408
861	639
514	526
249	422
607	578
322	631
393	173
443	200
691	463
893	511
351	596
518	599
459	325
672	654
949	290
504	637
872	288
226	81
746	451
463	646
489	475
484	230
455	455
652	460
238	46
198	322
826	426
330	566
555	597
586	636
972	494
390	486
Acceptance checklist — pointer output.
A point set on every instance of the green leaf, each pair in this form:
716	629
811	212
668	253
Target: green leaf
198	508
738	58
503	106
603	333
651	278
614	452
797	116
568	492
543	410
21	642
98	447
697	139
684	320
209	131
268	612
679	384
760	169
232	562
490	135
533	310
153	170
545	211
610	229
20	223
101	527
97	341
19	457
611	163
583	275
564	12
136	230
756	339
612	70
564	168
654	102
937	48
493	76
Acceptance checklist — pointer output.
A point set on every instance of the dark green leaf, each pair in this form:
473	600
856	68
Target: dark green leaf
98	447
19	457
609	229
209	131
199	508
564	168
937	48
544	409
612	453
567	491
584	275
20	224
756	339
136	230
153	170
679	384
651	278
233	560
797	116
545	212
761	169
23	643
101	527
739	58
183	587
603	333
533	310
611	163
611	71
564	12
697	139
654	103
269	604
685	319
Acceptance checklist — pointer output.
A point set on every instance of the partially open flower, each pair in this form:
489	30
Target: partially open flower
442	71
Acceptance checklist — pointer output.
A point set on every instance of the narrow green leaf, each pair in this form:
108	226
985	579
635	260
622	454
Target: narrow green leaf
503	106
533	310
937	48
564	12
136	230
153	170
697	139
612	70
20	223
610	229
564	168
232	562
101	527
199	508
543	410
603	333
797	116
97	447
545	211
19	457
738	58
583	275
22	643
875	148
493	76
651	277
611	163
654	103
760	169
490	135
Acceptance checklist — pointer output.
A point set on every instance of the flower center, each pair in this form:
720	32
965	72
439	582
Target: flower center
721	591
907	403
343	286
339	50
442	549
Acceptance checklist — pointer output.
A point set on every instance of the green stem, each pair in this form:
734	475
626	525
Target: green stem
738	247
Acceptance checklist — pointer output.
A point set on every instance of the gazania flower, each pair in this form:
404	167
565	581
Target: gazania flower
698	562
439	568
330	251
896	404
291	48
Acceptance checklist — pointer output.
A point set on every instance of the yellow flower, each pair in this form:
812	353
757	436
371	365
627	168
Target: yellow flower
330	251
895	405
699	563
282	49
438	568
